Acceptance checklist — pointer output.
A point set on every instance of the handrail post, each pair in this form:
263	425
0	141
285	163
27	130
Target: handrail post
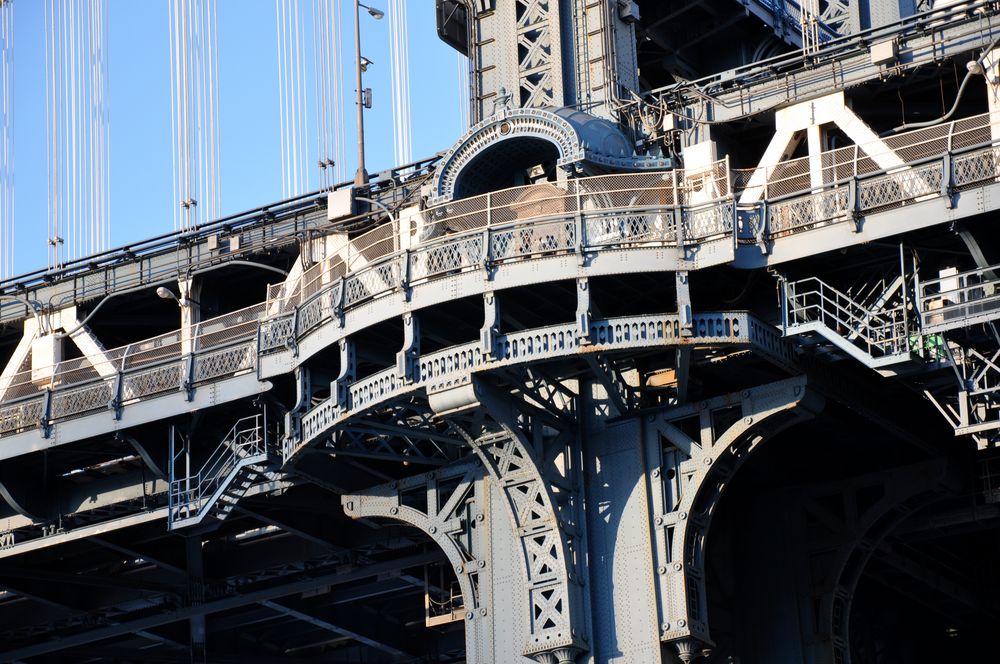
906	322
487	251
46	419
339	307
489	209
947	179
404	274
784	305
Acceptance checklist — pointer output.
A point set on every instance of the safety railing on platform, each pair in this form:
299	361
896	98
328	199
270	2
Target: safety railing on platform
246	444
812	305
216	348
805	174
960	300
616	209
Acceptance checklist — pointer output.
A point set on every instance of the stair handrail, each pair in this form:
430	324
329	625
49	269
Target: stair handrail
853	311
246	438
883	331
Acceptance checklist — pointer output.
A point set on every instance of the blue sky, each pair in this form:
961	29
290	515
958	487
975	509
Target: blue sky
139	89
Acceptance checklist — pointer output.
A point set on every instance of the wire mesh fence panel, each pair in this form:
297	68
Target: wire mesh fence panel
462	251
971	132
228	328
225	362
708	221
975	168
21	416
275	333
798	213
894	188
535	238
627	229
152	351
155	380
371	281
80	400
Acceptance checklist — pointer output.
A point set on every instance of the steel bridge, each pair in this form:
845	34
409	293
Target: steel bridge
676	355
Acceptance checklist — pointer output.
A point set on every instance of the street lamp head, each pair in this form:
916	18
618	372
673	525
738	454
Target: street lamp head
165	293
376	14
365	63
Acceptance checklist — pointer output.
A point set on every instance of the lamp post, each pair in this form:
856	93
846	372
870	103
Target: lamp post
361	177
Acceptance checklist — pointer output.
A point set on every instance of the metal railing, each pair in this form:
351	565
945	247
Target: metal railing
216	348
959	300
616	207
246	444
879	333
451	366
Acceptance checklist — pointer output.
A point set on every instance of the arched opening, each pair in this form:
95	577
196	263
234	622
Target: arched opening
508	163
784	544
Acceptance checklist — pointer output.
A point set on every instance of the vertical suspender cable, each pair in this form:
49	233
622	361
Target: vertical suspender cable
50	133
72	143
214	136
174	106
291	97
6	138
398	47
195	111
329	124
319	85
337	96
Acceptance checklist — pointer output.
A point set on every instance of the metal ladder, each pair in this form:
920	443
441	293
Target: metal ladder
243	458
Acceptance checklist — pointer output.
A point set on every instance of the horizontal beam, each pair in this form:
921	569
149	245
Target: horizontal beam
58	643
336	629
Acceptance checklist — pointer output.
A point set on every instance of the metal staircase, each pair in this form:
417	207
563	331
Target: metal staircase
953	328
244	457
878	335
